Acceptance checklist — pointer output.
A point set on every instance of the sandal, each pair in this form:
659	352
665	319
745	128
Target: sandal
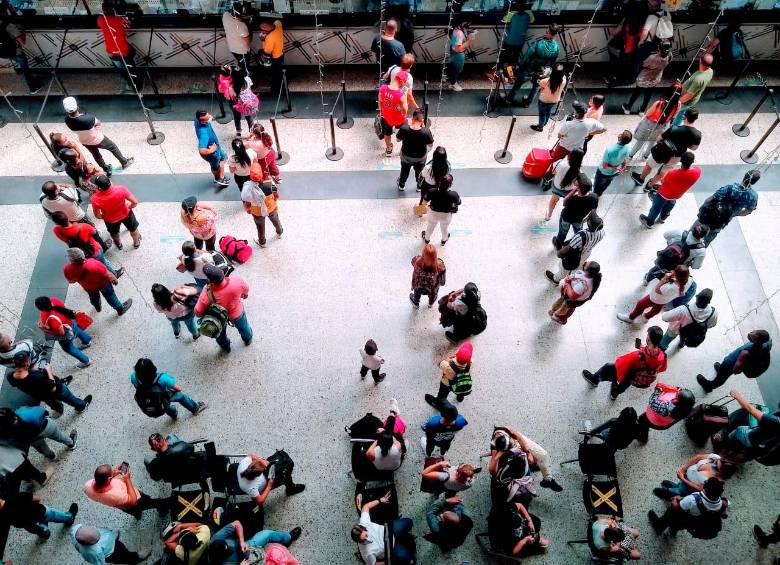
137	244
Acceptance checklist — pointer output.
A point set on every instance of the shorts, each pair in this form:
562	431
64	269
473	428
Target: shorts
387	129
215	159
657	167
130	222
560	192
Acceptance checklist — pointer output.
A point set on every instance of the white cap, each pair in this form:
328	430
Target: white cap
70	104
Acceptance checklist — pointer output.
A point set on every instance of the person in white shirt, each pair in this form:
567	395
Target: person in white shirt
659	293
387	451
10	348
371	361
700	313
693	245
683	512
256	477
694	473
576	251
237	33
370	536
65	198
450	480
573	133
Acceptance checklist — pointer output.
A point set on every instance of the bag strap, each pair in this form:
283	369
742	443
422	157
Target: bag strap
210	294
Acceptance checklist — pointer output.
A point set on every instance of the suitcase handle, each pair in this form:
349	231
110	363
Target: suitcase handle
715	403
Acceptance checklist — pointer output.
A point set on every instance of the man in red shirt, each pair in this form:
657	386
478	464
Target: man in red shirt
114	203
93	277
393	107
638	368
228	292
121	53
674	185
83	237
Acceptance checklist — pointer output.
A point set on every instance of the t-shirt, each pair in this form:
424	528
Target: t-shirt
118	494
82	232
236	33
67	202
114	34
696	84
677	182
390	105
574	132
615	155
668	291
409	84
517	30
96	553
577	207
442	431
374	548
414	142
639	360
373	362
273	44
694	474
86	128
392	51
768	428
229	293
243	170
204	536
35	384
251	487
112	204
92	275
683	138
449	481
446	201
560	171
53	319
689	506
228	535
32	421
389	462
20	510
548	96
206	135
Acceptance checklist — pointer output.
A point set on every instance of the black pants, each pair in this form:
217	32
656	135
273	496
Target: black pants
374	373
276	75
146	502
25	472
237	120
608	373
243	61
431	443
647	95
123	555
672	519
406	167
109	146
209	243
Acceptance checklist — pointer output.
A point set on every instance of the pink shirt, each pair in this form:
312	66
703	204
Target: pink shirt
229	293
116	495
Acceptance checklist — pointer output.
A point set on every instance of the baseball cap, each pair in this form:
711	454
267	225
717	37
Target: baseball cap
70	104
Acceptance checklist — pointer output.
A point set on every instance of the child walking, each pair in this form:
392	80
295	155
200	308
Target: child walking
371	361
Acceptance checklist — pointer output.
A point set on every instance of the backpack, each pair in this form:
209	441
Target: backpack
461	383
709	523
737	46
219	260
694	333
235	249
757	364
215	319
186	294
248	103
478	321
644	376
153	400
674	254
664	29
85	246
512	465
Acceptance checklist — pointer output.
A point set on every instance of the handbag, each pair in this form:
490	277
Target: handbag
664	29
378	129
83	320
420	210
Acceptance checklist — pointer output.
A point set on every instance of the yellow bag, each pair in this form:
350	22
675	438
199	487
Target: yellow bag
421	209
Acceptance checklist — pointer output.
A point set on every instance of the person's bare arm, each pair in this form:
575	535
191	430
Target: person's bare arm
208	150
435	468
261	498
743	403
370	455
132	200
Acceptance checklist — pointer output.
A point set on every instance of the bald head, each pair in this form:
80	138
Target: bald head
391	27
103	475
706	61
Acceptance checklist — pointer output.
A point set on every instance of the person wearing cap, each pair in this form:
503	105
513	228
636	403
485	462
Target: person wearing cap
39	382
187	542
228	292
451	368
90	133
700	313
24	510
114	203
210	149
200	219
95	279
98	546
441	430
228	545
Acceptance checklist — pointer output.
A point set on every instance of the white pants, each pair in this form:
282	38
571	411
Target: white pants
441	218
540	456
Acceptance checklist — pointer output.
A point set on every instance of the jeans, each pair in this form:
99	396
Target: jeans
63	395
109	146
713	233
52	432
668	338
677	489
264	537
181	398
442	219
69	346
52	515
406	165
601	182
103	259
209	242
109	294
457	62
680	115
125	66
647	95
201	284
563	231
655	272
659	209
403	546
545	111
260	225
244	330
189	321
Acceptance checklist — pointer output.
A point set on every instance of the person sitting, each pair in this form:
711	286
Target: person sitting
186	542
370	536
449	521
388	450
693	474
228	546
701	513
175	461
513	530
257	477
618	433
667	406
441	477
508	438
461	309
613	538
751	428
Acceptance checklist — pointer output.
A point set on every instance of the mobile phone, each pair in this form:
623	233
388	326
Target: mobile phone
124	467
638	343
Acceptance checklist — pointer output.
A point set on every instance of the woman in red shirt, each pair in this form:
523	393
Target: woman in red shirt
393	107
83	236
59	324
114	204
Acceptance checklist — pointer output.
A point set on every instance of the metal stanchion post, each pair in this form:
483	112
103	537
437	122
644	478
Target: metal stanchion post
725	97
741	129
57	166
288	113
425	109
749	156
162	107
282	158
345	122
425	102
333	153
503	156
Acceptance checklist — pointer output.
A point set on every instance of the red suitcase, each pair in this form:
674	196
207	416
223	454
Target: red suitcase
536	164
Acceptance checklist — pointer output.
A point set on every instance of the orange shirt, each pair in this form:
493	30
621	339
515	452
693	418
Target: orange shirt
119	493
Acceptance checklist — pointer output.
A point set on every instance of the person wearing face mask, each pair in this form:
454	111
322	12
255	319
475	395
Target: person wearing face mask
237	34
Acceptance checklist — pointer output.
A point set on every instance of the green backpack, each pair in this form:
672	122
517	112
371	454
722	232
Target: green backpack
461	382
215	319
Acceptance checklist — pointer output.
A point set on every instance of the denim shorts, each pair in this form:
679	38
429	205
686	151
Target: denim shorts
215	158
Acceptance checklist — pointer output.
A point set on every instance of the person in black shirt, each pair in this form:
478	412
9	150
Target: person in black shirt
444	203
90	133
415	139
175	460
576	206
40	383
387	48
24	510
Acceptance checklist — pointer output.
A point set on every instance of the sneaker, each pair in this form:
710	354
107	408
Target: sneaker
662	493
119	272
550	277
660	221
125	306
525	103
394	406
457	88
260	245
451	336
613	396
201	407
537	128
626	109
295	533
84	365
44	535
623	317
87	401
73	510
73	437
422	235
84	346
279	234
196	336
418	189
551	484
411	299
704	383
48	473
67	380
399	185
129	161
760	536
223	182
655	521
643	219
380	378
716	366
51	456
176	335
444	241
588	376
295	489
389	151
432	400
638	180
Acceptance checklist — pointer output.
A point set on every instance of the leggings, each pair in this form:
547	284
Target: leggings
237	120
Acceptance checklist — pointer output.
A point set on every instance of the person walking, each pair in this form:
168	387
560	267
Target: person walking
659	293
638	368
613	163
240	162
407	61
114	203
649	78
370	360
415	139
40	383
540	54
393	107
177	307
574	132
751	359
95	279
56	197
654	122
101	545
564	179
576	289
90	133
433	172
736	199
13	39
192	260
667	405
576	251
114	29
460	40
227	293
694	87
577	205
517	21
200	219
387	48
428	274
24	510
114	487
158	391
683	247
443	203
58	323
31	425
455	376
690	322
210	149
551	89
674	185
440	430
259	197
82	236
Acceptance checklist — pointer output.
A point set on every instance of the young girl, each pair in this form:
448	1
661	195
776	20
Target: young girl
428	276
550	91
656	120
261	143
192	260
231	81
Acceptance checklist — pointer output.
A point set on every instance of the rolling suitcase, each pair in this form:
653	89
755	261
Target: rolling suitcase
383	513
536	164
706	420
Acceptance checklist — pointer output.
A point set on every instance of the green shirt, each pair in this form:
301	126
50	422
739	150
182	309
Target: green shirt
696	84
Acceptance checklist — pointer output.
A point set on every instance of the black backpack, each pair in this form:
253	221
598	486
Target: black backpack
676	253
85	246
757	364
153	400
7	43
694	333
478	321
709	523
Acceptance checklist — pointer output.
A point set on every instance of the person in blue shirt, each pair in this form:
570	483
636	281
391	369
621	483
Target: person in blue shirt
146	375
516	32
441	430
449	521
209	148
736	199
228	546
98	546
751	359
30	425
612	163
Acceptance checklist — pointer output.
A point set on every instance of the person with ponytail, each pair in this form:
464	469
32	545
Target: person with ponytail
576	289
241	162
564	179
192	260
58	323
659	293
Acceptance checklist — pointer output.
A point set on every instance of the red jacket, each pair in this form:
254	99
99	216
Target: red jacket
640	367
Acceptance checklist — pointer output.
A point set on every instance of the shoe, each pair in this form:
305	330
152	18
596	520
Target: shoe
279	234
380	378
99	307
84	365
389	151
399	185
74	434
655	521
176	335
84	346
137	244
118	244
626	109
638	180
125	306
537	128
51	456
201	407
48	473
525	103
444	241
550	277
196	336
556	319
551	484
456	87
432	538
643	219
67	380
295	489
716	366
432	400
451	336
73	510
238	133
129	161
248	342
661	221
662	493
295	533
668	484
623	317
422	235
411	299
704	383
555	241
418	189
142	556
119	272
760	536
109	170
88	401
44	535
588	376
223	182
394	406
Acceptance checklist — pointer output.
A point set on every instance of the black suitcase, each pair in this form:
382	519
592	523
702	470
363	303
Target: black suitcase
383	513
705	420
191	505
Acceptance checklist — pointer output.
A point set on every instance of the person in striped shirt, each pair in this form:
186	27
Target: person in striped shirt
576	251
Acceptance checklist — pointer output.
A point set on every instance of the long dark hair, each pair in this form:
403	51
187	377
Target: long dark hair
162	296
385	442
556	77
43	303
439	164
575	163
670	96
145	371
188	250
594	272
240	151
